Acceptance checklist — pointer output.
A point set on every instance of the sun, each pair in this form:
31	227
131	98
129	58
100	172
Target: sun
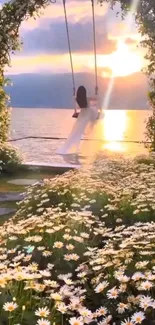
125	62
122	62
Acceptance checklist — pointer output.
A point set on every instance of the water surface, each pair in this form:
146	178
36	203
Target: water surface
116	132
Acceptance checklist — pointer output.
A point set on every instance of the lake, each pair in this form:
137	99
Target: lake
116	132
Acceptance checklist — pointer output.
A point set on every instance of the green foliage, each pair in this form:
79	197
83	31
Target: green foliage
9	159
150	123
151	95
150	132
4	110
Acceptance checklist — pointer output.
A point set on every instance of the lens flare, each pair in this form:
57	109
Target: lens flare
130	22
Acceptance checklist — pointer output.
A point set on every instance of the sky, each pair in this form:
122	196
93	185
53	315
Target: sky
45	48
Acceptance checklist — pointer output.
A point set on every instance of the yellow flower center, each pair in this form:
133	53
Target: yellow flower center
42	314
138	319
102	312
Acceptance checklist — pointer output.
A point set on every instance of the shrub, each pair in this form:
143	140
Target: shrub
150	132
9	159
4	111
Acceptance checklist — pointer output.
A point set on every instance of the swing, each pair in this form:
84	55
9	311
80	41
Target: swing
75	115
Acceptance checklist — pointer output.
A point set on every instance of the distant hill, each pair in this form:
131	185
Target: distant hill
47	91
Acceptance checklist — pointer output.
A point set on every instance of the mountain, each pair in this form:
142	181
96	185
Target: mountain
47	91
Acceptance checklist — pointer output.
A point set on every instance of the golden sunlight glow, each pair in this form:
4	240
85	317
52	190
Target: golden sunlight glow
123	62
114	146
114	127
126	60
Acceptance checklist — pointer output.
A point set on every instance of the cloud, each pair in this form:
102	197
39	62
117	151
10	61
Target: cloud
45	46
49	63
52	38
48	33
76	10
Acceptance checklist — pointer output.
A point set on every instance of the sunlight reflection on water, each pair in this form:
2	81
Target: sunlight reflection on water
114	127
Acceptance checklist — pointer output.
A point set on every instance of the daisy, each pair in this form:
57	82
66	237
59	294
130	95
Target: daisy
33	266
10	306
2	282
122	287
101	286
43	322
81	275
102	311
67	237
70	247
74	303
56	296
85	312
141	265
62	308
42	312
105	321
138	317
75	321
71	257
146	285
50	266
123	278
122	307
47	253
45	273
113	293
137	276
84	235
68	281
58	244
127	322
52	284
145	302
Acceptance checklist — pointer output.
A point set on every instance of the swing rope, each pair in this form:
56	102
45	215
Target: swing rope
70	52
69	46
94	36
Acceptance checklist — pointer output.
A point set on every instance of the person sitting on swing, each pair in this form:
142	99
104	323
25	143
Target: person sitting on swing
84	102
86	119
